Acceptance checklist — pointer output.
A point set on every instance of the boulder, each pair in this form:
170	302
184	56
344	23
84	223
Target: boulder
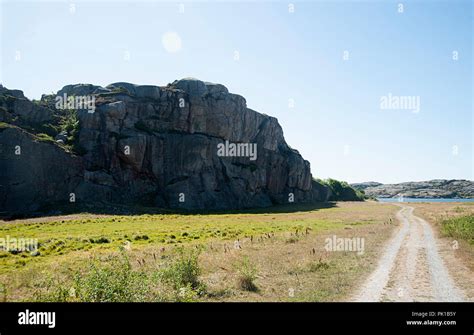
148	92
81	90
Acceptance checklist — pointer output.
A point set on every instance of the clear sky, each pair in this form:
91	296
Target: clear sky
286	64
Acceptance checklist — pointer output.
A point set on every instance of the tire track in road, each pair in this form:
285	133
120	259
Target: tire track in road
411	268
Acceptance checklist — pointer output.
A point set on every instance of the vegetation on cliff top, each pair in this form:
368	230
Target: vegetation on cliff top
342	191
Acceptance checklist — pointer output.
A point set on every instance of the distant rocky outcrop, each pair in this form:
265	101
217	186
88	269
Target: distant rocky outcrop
146	145
363	186
438	188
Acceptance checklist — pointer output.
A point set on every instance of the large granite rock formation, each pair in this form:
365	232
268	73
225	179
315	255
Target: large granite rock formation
150	145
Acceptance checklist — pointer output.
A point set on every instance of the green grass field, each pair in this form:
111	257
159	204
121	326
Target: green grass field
58	237
78	252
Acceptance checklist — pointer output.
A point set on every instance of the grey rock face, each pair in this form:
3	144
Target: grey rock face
148	91
158	146
363	186
438	188
34	173
81	89
13	104
130	88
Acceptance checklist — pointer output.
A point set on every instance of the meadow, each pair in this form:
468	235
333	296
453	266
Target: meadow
272	254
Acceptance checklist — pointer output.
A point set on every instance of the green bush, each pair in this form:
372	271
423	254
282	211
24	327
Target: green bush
186	294
111	281
115	282
141	237
184	271
50	290
341	190
48	129
247	273
69	122
100	240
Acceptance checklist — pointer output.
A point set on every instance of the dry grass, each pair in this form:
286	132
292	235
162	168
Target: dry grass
299	271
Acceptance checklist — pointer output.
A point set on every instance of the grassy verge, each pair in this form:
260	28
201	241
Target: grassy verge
454	223
461	227
453	220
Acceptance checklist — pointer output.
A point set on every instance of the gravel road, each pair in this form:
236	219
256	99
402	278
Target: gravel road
411	268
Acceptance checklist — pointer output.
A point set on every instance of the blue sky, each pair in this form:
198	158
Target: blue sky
336	122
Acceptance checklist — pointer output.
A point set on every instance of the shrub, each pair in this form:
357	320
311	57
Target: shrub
48	129
69	122
341	190
247	273
51	290
112	281
100	240
186	294
184	271
141	237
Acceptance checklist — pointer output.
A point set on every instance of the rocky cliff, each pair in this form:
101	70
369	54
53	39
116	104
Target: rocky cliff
439	188
147	145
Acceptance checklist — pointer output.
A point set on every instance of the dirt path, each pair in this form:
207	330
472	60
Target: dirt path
411	268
